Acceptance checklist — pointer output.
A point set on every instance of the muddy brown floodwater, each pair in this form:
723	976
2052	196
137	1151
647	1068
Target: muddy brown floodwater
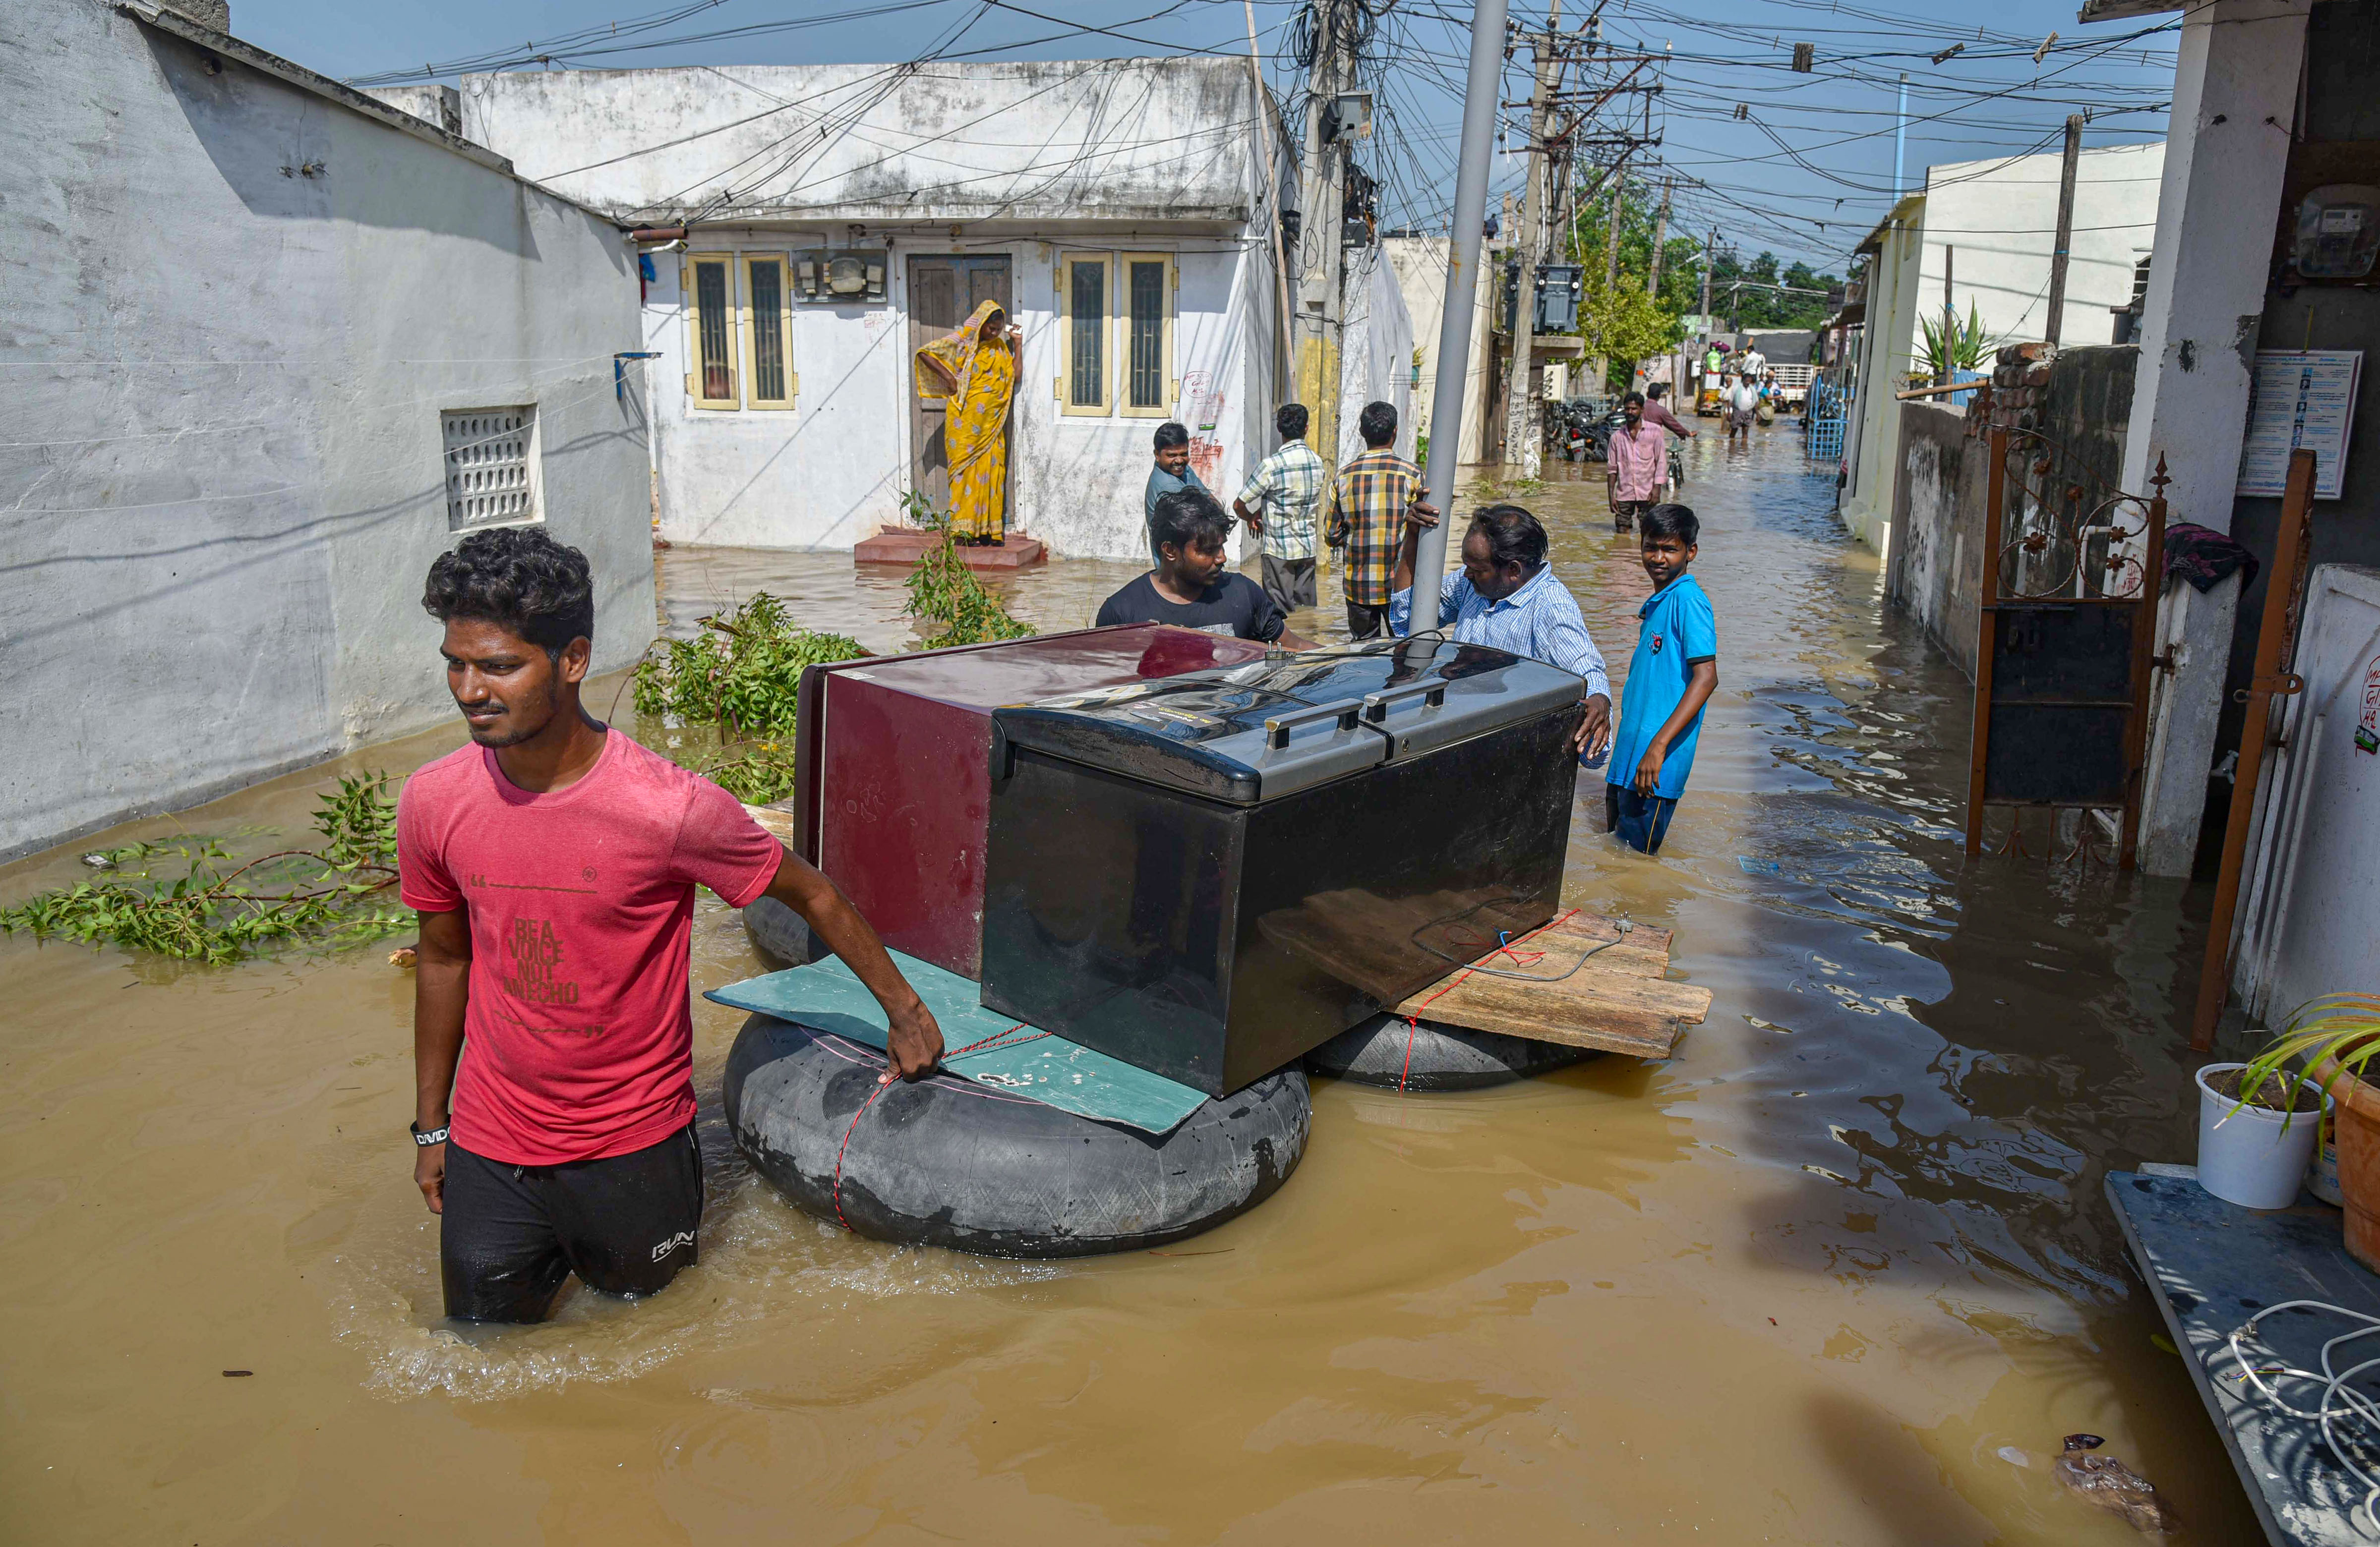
1839	1272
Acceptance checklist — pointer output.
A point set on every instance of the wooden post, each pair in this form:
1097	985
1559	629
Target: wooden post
2058	253
1987	638
2272	640
2144	617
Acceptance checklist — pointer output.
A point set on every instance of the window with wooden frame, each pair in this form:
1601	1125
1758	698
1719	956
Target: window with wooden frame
1144	315
768	378
709	280
1083	292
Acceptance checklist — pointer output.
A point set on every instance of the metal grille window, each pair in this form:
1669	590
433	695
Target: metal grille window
1148	335
764	289
711	291
1084	281
492	466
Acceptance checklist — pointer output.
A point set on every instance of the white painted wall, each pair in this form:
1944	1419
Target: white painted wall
1889	338
1420	266
1375	353
1992	224
2309	919
832	470
2236	76
224	481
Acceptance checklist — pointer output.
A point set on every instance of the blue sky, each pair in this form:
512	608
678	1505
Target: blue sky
1804	174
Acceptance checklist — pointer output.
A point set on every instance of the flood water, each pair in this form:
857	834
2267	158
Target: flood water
1842	1272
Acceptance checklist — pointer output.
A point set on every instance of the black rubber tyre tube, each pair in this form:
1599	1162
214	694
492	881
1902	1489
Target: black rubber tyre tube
782	935
950	1162
1433	1056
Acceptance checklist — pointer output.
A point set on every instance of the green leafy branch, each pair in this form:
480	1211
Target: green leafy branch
218	912
741	674
943	590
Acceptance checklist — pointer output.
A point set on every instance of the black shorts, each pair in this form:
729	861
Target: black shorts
1367	622
511	1234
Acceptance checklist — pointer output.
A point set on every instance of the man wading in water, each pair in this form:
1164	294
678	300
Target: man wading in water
553	864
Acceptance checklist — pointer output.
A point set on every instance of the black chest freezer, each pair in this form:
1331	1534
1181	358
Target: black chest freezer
1207	875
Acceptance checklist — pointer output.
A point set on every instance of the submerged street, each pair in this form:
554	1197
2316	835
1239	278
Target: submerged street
1840	1272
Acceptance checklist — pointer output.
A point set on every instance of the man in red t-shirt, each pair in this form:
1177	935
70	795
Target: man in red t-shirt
553	864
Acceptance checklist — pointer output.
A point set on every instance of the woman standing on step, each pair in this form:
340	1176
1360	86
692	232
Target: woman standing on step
973	370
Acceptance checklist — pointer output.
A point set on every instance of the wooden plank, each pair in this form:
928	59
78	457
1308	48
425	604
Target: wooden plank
1620	1000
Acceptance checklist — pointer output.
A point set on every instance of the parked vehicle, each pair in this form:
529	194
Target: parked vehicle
1792	385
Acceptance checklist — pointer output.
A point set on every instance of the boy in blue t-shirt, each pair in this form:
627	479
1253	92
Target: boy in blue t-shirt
1670	678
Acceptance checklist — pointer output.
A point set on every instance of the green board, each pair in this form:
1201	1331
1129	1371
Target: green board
1023	1060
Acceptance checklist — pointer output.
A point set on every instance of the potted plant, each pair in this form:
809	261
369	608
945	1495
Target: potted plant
2329	1043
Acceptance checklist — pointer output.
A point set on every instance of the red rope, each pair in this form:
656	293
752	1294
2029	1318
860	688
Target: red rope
990	1043
1413	1025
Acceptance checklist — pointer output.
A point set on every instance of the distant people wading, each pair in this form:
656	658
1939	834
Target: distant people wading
973	370
1369	502
553	863
1741	401
1279	503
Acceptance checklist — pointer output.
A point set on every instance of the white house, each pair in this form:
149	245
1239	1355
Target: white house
1980	237
271	345
835	217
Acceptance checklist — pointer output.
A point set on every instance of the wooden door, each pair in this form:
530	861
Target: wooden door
944	293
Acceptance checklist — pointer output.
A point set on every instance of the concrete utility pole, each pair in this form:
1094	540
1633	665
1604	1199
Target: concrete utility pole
1521	448
1710	254
1321	313
1660	237
1479	108
2065	227
1611	242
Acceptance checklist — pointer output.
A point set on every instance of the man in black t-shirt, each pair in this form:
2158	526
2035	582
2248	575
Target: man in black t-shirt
1191	587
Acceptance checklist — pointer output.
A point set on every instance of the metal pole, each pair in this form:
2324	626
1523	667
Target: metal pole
1899	128
2065	228
1461	285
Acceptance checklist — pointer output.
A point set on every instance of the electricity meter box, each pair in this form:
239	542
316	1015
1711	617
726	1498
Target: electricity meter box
2338	232
1209	875
891	755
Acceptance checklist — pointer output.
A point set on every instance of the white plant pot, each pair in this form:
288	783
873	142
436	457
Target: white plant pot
2250	1157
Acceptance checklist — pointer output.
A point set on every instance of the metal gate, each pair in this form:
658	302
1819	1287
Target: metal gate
2062	658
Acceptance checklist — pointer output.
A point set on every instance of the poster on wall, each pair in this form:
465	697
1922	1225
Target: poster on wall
2300	397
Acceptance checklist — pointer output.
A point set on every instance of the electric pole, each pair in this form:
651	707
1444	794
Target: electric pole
1660	238
1521	448
2065	227
1611	242
1320	312
1711	256
1479	111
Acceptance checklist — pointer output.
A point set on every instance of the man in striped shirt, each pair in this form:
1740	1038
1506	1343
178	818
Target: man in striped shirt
1279	506
1505	596
1370	500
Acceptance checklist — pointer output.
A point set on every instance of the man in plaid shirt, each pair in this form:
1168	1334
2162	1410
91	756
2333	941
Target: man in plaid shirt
1278	504
1368	501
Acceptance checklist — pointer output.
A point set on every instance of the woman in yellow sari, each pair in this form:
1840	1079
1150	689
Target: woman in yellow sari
973	370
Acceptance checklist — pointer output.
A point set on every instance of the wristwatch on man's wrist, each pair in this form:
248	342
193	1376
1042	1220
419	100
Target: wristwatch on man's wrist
435	1136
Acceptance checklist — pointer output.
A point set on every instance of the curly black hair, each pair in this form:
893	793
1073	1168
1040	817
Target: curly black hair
519	577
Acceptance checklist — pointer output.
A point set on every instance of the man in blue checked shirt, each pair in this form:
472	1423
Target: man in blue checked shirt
1505	596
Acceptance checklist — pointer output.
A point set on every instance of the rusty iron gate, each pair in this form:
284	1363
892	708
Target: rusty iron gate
2062	658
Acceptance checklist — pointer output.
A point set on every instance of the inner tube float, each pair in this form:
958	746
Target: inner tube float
780	935
948	1162
1432	1056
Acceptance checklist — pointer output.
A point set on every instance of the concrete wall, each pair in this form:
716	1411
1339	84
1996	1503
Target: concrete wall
1873	449
1991	226
1115	139
1941	485
832	470
1936	573
1022	160
235	310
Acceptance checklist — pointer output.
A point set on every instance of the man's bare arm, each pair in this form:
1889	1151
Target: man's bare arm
914	1040
442	978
